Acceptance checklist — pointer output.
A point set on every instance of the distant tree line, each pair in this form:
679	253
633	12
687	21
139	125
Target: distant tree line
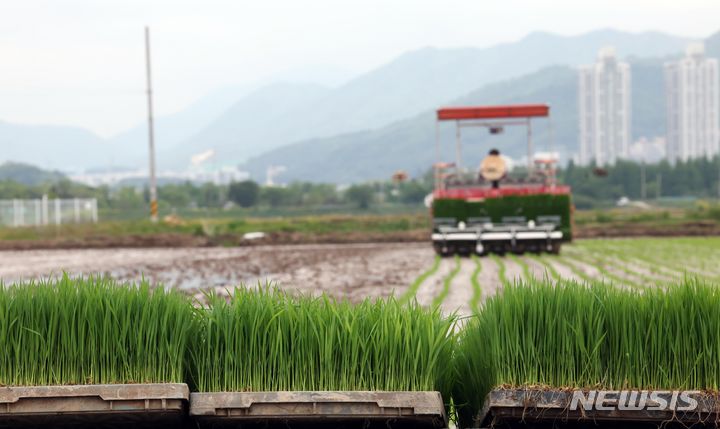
592	187
245	194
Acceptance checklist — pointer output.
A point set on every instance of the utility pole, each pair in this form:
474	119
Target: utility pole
151	132
643	185
718	172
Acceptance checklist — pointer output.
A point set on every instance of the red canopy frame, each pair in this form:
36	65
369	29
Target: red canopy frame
490	116
493	112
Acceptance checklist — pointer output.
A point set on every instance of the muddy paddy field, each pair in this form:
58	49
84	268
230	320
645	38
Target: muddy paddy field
358	271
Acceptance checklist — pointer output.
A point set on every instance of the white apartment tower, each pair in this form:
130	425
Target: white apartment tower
604	110
693	106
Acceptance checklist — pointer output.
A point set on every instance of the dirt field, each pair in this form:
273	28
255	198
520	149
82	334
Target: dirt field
352	270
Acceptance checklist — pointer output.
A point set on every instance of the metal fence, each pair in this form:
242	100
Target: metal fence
45	211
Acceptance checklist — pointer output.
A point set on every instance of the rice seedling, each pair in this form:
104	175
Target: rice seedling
477	289
92	331
266	340
666	257
575	269
502	270
447	282
570	335
550	271
604	266
527	274
412	290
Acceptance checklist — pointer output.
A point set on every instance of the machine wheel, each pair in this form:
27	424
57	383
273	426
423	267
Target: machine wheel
444	250
555	248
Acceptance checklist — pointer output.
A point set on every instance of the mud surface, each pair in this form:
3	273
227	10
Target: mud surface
350	270
461	290
433	285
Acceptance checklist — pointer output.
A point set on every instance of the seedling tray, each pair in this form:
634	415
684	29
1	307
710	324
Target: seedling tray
541	408
108	405
316	409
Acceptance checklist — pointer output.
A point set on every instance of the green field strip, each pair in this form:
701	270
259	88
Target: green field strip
662	259
447	281
477	289
412	290
550	271
696	261
627	263
657	257
699	255
606	260
651	264
602	267
562	260
663	264
502	270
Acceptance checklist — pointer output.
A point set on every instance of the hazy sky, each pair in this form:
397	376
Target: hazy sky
81	62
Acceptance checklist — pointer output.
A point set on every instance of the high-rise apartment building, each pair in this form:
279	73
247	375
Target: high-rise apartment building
604	102
692	102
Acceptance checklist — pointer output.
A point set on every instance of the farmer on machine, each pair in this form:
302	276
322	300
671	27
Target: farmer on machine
493	168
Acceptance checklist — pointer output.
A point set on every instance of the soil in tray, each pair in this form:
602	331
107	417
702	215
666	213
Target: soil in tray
589	424
97	421
319	423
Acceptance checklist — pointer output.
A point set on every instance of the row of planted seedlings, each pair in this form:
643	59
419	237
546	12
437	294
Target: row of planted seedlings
264	354
261	355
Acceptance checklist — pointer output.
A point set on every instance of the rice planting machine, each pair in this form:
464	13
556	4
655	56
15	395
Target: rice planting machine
490	210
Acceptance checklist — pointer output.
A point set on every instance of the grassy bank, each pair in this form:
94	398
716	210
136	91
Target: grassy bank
227	229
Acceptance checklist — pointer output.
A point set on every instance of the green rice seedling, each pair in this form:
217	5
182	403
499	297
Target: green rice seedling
630	265
92	331
550	271
602	265
570	335
447	282
412	290
502	270
266	340
664	256
477	289
572	266
527	274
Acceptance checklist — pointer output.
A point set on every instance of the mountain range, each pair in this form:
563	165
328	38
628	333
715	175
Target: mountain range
410	144
373	124
27	174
